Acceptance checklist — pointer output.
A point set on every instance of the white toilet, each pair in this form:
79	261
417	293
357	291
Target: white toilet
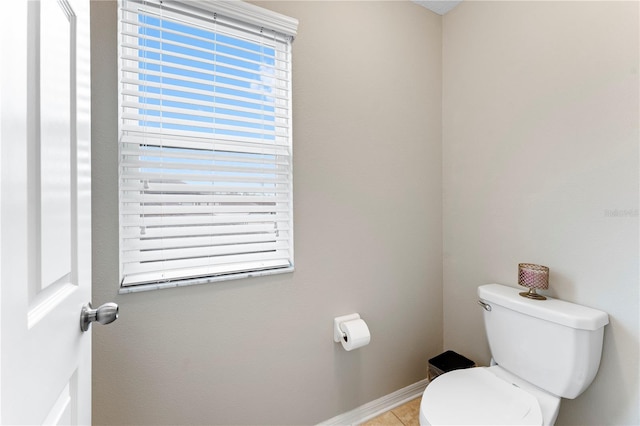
542	351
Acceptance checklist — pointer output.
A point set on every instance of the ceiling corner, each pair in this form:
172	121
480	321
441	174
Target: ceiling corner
440	7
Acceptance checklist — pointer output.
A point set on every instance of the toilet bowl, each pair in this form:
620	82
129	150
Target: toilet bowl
486	396
542	351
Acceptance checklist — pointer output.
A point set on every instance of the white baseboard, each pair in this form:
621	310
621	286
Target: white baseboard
374	408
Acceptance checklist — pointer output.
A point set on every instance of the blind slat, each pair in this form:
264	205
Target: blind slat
223	171
193	144
133	234
194	139
278	115
202	155
226	190
205	116
177	221
179	244
202	253
193	123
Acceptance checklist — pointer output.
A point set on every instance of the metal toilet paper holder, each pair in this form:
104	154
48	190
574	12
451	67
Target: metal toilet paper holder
338	334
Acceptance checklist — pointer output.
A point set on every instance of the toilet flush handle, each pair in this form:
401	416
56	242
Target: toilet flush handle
485	305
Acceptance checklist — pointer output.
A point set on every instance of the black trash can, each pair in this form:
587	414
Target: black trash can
447	361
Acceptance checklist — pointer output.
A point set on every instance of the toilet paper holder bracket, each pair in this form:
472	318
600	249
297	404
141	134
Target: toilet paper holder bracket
338	334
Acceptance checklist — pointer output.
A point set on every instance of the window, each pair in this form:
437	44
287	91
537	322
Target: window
205	155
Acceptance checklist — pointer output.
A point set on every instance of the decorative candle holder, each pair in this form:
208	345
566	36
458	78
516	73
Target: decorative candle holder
534	277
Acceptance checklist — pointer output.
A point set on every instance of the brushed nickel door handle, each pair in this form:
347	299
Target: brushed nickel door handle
104	314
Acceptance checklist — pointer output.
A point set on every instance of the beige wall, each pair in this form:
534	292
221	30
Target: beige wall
539	110
540	148
367	148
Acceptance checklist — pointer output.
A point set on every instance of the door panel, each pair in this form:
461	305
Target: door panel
53	140
45	359
61	413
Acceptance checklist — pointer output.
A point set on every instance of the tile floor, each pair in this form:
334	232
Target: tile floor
407	414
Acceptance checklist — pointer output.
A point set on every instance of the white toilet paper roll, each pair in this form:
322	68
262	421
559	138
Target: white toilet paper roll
357	334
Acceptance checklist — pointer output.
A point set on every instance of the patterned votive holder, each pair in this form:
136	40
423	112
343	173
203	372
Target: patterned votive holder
534	277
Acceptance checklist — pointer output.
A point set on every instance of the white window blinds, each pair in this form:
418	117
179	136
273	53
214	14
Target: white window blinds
205	141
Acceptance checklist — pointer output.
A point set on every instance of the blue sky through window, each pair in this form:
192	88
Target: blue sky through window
231	78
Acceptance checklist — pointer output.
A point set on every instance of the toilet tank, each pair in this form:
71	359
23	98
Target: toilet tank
553	344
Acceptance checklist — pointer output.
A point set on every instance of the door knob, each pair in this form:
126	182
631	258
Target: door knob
105	314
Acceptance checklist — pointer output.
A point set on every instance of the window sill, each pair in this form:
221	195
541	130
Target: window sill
198	281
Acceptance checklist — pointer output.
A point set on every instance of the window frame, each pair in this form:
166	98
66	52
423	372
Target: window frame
241	15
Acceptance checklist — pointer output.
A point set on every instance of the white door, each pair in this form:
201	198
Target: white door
45	221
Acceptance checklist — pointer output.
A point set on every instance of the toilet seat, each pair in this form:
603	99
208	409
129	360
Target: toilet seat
477	396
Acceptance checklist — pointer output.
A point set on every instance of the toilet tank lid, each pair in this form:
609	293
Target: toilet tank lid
555	310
